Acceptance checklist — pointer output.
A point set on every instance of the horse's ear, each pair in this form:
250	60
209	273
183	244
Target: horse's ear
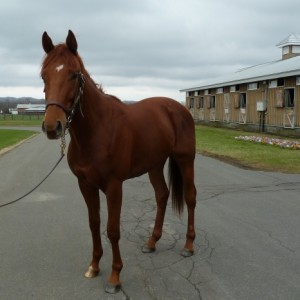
47	43
71	42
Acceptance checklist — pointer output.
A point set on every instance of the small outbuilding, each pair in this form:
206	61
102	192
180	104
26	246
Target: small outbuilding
264	97
31	108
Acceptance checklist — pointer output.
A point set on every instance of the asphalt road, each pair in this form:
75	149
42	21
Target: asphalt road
247	246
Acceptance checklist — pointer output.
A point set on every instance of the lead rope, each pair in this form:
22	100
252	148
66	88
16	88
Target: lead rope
63	144
62	153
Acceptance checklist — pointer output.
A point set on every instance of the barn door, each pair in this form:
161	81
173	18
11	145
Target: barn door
226	115
201	114
289	118
191	106
242	116
212	108
289	108
243	105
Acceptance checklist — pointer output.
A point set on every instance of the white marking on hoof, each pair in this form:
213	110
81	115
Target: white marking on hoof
91	272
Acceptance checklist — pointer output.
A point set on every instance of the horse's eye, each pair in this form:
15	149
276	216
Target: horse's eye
44	78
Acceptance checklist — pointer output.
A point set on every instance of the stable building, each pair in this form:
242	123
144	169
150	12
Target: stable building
30	109
264	97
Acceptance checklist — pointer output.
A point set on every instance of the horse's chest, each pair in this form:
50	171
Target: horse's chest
93	170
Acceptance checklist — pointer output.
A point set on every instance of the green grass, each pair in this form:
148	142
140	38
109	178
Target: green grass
221	143
211	141
12	137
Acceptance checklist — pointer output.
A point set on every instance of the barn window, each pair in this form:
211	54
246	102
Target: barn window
191	103
285	50
289	98
296	49
272	84
212	102
234	88
201	102
275	83
220	90
243	100
253	86
280	82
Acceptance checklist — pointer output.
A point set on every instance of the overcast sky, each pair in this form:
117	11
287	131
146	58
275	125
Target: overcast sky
143	48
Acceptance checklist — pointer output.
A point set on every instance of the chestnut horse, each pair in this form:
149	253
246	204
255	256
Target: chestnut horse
111	142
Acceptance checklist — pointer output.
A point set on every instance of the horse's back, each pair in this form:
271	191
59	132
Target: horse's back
171	118
165	108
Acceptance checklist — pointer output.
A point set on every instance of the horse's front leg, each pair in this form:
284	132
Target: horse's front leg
114	203
92	199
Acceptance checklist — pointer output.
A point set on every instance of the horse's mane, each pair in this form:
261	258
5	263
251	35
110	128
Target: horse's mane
101	90
62	51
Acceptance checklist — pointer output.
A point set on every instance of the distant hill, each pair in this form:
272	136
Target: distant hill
21	100
129	101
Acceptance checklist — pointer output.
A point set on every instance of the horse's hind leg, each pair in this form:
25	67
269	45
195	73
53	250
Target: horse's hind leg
189	191
91	197
161	194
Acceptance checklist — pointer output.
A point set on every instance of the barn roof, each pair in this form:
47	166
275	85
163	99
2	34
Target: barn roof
30	106
266	71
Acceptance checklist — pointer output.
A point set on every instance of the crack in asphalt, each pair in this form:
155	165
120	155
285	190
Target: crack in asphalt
270	235
277	240
136	228
211	192
152	262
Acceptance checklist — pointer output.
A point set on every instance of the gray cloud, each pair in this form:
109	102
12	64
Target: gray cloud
160	46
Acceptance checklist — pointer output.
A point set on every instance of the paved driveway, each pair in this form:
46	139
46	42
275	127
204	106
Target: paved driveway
247	246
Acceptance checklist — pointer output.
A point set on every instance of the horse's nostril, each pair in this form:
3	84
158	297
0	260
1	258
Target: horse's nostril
55	131
59	127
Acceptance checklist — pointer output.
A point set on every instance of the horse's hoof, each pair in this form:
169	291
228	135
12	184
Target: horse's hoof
112	289
187	253
91	272
147	249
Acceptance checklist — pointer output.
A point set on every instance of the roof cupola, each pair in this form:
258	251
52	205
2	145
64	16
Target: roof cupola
290	46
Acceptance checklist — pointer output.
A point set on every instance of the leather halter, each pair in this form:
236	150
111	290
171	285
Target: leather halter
71	111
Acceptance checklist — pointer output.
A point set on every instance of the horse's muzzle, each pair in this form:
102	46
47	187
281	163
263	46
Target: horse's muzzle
53	133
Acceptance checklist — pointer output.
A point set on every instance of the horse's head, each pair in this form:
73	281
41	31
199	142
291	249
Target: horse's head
63	83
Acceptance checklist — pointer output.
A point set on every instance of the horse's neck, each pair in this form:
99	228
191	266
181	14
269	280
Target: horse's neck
97	108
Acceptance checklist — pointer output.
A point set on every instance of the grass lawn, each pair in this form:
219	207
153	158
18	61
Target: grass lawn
21	120
11	137
221	143
215	142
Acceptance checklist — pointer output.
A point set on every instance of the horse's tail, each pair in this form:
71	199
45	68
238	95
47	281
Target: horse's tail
175	186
